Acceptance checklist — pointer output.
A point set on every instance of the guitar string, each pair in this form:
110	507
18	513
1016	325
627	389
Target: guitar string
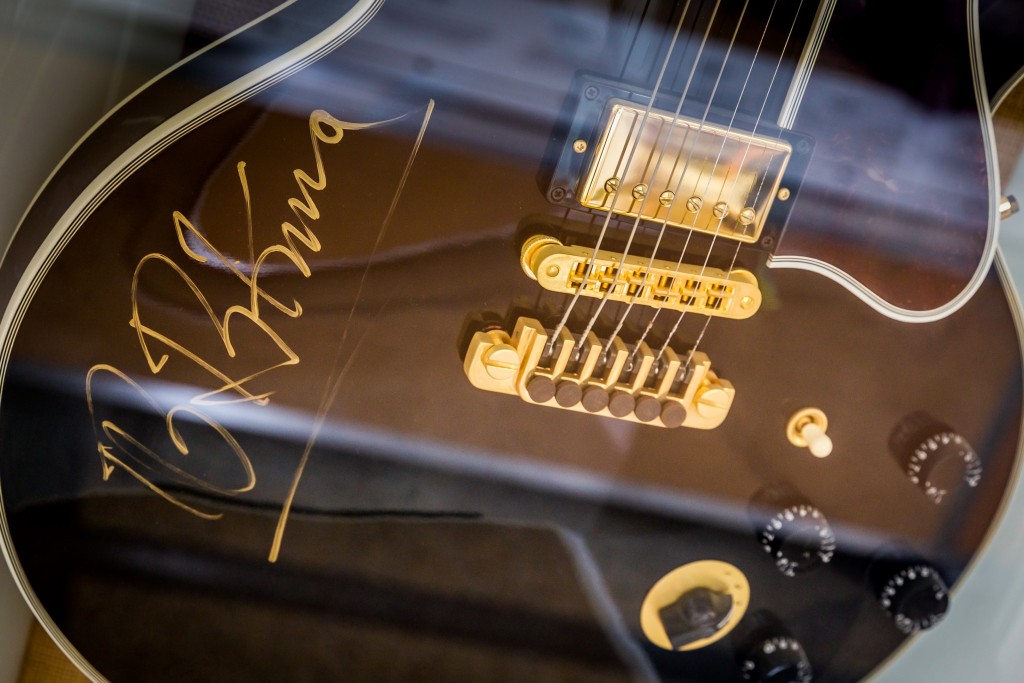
664	223
647	194
732	121
646	197
632	43
757	196
614	194
661	155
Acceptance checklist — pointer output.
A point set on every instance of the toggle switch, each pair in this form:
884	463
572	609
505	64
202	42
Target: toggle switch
807	429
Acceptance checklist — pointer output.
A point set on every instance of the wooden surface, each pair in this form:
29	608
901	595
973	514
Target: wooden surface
45	663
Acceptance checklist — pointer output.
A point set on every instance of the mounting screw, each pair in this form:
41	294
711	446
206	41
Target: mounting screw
580	146
784	194
803	147
590	93
557	194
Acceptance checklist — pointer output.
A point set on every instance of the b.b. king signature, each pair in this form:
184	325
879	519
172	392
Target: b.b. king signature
236	326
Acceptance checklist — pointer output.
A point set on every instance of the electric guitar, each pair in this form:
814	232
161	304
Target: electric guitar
392	340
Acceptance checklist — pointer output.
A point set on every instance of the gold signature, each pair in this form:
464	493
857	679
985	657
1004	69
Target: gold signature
236	326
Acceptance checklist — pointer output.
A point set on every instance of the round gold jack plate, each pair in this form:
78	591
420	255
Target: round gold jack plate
701	586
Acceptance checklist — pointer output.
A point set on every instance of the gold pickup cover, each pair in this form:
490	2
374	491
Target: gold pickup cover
599	378
645	281
684	172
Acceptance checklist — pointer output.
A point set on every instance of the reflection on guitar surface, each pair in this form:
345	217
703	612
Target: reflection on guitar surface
600	341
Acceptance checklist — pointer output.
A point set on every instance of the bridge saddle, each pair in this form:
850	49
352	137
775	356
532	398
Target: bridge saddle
645	281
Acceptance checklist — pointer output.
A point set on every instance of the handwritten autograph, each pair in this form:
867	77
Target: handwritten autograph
240	323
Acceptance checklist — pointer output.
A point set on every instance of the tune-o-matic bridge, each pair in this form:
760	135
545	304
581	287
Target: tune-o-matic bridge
613	379
636	279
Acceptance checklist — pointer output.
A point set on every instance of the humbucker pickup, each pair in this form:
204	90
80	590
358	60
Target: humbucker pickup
704	170
602	378
635	279
684	172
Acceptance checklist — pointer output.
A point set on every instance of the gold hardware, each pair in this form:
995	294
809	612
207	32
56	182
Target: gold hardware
501	360
807	429
1008	206
713	403
609	379
657	283
784	194
713	576
739	170
579	146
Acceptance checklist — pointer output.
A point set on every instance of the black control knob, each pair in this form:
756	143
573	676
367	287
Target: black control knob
780	659
793	532
771	654
934	456
910	590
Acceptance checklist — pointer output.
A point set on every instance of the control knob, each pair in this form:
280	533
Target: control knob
770	654
910	590
934	456
793	532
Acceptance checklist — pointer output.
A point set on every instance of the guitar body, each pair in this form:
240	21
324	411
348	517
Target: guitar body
237	438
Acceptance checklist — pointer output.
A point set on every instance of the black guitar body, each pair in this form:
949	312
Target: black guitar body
237	441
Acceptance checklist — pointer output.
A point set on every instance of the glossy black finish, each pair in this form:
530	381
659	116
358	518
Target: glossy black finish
438	532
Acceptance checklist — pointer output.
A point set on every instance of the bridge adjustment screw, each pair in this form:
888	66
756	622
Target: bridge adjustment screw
501	362
712	403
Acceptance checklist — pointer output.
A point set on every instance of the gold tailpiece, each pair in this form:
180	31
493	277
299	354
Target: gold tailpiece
655	283
610	379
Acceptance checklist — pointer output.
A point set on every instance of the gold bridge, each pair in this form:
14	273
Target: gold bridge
649	282
614	380
684	172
